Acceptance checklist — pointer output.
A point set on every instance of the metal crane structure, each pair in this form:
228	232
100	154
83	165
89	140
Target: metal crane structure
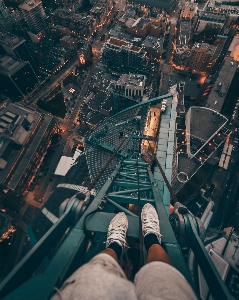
121	175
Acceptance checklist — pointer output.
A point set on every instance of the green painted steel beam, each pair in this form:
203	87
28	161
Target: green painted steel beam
120	208
67	259
148	102
217	286
166	228
133	173
70	254
128	191
133	177
141	176
101	220
176	256
168	237
134	163
130	200
34	257
129	184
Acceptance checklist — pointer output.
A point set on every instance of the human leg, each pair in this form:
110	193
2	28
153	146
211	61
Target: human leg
116	236
102	277
111	252
152	236
158	279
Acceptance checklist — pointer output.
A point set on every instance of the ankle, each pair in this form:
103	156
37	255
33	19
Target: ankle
117	249
149	240
110	252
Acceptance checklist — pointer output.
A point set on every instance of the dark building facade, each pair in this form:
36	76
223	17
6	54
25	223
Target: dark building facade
16	46
34	15
5	21
122	55
17	78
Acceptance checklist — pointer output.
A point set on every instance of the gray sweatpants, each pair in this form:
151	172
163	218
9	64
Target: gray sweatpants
103	278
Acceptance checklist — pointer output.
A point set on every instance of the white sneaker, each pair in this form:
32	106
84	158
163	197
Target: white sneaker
117	230
150	221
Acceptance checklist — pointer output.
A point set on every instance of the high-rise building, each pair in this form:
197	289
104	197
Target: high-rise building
25	135
127	91
122	55
16	46
5	20
16	77
100	10
202	56
35	17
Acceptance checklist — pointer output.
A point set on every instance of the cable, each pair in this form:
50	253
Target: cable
139	213
172	194
89	235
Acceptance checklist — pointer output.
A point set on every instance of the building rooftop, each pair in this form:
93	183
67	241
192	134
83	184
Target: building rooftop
153	42
10	40
33	131
97	100
167	5
188	11
222	6
29	5
219	91
130	11
132	80
140	23
213	16
198	136
187	165
9	65
234	48
121	43
204	47
116	32
195	146
107	106
117	42
210	119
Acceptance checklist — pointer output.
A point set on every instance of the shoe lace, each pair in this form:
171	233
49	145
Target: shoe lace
151	224
117	235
